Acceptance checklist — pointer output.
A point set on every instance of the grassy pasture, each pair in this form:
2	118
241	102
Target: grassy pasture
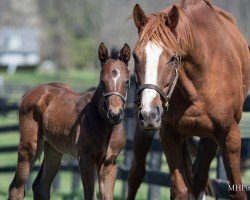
79	80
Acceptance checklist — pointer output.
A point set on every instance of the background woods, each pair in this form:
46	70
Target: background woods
70	30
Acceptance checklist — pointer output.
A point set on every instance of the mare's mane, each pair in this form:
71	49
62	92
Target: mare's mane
179	41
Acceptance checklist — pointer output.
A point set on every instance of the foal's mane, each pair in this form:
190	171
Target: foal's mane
179	41
114	53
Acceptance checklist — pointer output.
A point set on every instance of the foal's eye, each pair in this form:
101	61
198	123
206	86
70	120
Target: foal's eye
127	83
102	84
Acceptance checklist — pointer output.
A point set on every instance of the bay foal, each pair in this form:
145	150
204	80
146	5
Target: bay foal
86	126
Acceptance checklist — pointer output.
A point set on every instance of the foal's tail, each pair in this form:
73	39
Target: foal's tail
189	150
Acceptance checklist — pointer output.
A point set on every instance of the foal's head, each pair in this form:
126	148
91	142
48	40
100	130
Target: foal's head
114	81
157	58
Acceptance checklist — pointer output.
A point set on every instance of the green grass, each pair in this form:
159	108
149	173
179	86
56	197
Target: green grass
79	80
74	78
65	188
245	124
64	191
8	119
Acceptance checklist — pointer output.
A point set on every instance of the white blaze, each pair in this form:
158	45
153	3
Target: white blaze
153	53
115	79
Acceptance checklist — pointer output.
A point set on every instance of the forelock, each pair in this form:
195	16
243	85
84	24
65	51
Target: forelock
156	31
114	53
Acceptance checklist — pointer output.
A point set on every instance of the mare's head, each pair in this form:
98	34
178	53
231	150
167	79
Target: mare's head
163	40
114	81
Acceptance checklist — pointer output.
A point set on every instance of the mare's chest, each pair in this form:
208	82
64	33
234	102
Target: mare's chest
190	119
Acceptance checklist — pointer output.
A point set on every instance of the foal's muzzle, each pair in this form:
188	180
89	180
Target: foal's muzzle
115	117
115	107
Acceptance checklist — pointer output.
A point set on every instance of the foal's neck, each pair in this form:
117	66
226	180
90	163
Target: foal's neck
97	109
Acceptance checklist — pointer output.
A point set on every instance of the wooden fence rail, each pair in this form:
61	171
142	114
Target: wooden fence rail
153	176
155	147
219	187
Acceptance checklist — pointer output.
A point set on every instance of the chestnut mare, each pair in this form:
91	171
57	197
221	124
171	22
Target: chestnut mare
193	70
86	126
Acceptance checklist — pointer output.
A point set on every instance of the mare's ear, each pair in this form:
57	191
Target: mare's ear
185	2
172	18
103	53
125	54
139	16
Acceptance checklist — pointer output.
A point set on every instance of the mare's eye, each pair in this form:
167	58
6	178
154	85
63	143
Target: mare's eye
135	58
136	78
172	60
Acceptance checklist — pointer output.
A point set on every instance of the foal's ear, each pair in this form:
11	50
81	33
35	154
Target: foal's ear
172	18
103	53
139	16
125	54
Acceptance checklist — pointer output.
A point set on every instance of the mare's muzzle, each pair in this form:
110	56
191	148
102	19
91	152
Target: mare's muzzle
152	119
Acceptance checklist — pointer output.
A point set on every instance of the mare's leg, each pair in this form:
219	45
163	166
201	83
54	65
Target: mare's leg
50	166
106	178
29	149
141	145
38	177
172	146
206	152
88	168
230	144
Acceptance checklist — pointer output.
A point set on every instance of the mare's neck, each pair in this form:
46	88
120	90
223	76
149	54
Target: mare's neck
199	60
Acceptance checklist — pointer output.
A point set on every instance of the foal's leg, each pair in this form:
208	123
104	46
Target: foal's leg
172	146
88	169
106	178
230	146
141	145
50	166
29	149
206	152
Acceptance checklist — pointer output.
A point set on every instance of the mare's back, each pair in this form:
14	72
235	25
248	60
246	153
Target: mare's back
239	47
226	50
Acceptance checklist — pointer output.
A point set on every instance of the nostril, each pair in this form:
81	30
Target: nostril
111	113
140	116
121	114
157	109
152	116
158	113
115	115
